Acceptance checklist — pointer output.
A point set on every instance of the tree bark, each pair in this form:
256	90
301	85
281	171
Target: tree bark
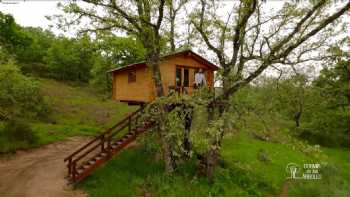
172	34
168	158
212	156
212	161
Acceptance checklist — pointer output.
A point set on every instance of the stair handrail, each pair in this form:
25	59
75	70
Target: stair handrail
104	133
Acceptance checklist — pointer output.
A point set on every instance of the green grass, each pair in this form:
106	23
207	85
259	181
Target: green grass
135	172
242	151
78	110
341	157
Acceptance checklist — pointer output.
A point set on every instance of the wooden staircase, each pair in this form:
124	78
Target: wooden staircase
102	148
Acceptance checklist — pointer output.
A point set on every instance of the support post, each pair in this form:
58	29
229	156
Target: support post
102	143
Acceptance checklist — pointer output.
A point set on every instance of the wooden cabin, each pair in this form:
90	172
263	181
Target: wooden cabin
134	83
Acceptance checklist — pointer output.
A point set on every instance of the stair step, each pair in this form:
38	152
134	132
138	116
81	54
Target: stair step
140	129
87	165
98	158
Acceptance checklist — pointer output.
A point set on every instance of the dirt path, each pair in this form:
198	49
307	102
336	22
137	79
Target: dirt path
284	190
39	172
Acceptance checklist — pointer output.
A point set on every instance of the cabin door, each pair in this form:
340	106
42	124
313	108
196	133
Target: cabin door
183	79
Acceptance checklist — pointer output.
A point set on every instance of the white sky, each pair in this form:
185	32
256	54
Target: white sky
31	13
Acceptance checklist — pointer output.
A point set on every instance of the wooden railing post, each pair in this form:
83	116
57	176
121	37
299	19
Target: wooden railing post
74	171
102	143
69	166
109	139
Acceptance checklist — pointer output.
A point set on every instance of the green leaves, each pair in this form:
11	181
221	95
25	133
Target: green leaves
71	59
20	95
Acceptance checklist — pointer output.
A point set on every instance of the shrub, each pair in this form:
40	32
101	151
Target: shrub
18	130
16	134
19	94
328	128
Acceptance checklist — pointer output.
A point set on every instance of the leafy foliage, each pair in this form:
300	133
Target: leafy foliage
115	52
12	37
20	95
19	130
328	121
71	59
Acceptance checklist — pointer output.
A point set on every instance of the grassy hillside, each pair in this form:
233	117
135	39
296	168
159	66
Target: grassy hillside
135	173
250	167
78	109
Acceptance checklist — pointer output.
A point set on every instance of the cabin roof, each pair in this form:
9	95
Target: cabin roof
185	53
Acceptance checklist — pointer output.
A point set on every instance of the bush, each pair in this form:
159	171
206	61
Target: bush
70	59
16	134
19	94
328	128
18	130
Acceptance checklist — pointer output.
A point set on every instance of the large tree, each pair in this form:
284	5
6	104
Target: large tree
140	18
248	40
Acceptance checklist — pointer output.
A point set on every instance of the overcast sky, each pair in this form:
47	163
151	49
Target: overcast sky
31	13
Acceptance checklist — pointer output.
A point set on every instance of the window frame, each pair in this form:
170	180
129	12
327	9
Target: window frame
131	76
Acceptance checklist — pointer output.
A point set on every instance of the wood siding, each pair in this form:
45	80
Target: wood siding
135	91
143	89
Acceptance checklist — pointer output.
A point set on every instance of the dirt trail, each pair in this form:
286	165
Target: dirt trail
38	172
284	190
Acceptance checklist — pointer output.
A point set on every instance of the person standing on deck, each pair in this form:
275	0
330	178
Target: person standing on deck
199	79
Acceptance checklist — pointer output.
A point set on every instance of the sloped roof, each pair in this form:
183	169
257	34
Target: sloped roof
185	52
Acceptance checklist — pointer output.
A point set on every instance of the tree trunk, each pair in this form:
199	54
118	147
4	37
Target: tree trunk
152	45
172	34
157	79
186	140
212	161
297	117
166	149
166	153
212	156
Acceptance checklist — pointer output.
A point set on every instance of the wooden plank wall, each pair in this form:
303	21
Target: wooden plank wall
143	89
134	91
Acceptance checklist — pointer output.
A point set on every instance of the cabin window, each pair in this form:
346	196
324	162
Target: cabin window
186	81
132	76
178	77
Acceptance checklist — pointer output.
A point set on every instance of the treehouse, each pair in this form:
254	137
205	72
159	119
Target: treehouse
134	83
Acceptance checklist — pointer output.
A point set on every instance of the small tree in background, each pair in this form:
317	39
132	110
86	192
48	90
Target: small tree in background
114	52
248	41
